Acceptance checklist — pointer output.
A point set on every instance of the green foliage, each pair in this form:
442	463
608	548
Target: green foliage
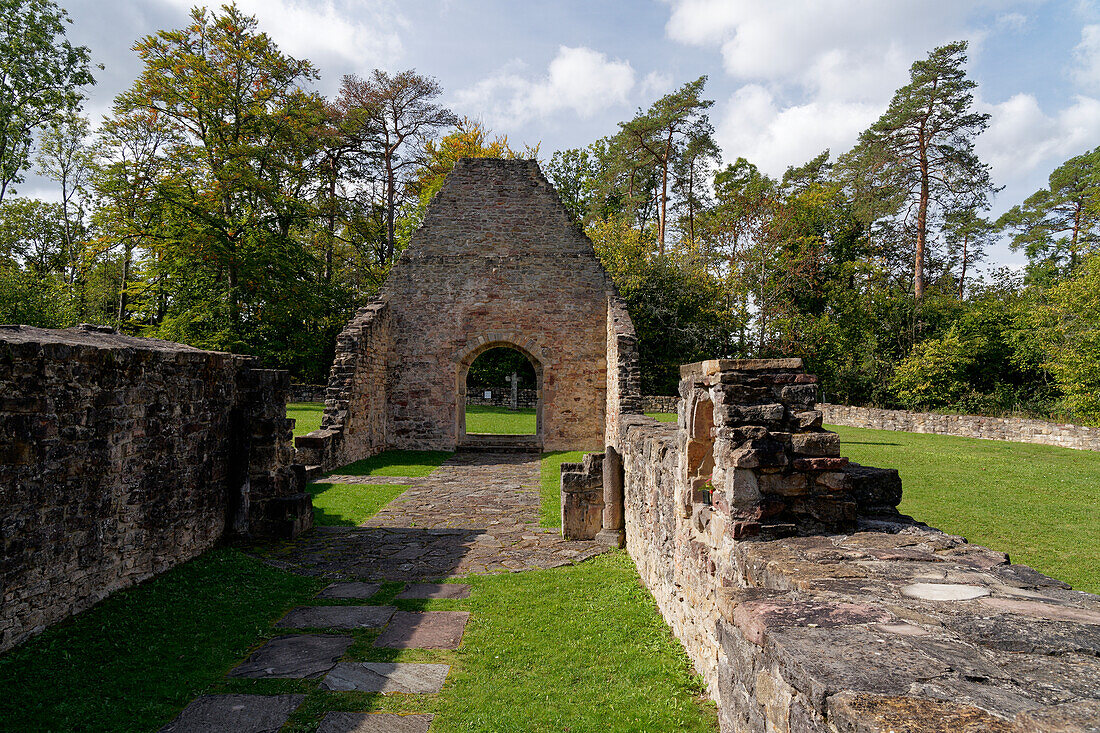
42	78
493	368
1062	325
933	375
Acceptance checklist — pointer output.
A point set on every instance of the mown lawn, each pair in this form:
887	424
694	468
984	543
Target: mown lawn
306	415
500	420
1040	504
412	463
349	505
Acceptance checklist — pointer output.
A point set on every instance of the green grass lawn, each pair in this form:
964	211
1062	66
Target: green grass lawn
412	463
500	420
550	484
541	653
662	416
349	505
1038	503
307	416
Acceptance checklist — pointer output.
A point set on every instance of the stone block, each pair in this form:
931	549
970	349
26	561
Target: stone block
387	677
373	723
784	484
424	630
821	445
298	656
238	713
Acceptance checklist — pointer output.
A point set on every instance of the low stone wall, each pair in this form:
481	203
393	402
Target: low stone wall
850	619
121	457
526	399
1014	429
660	403
354	424
307	392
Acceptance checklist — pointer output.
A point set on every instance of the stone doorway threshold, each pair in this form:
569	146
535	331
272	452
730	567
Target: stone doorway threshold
529	443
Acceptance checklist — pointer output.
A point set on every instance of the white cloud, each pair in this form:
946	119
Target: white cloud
362	32
578	80
1087	56
1023	141
753	126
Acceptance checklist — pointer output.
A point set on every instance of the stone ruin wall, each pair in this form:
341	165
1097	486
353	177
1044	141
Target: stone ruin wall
1015	429
623	374
121	457
807	602
354	423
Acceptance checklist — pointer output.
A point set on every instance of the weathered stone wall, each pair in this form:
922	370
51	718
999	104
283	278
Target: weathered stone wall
353	425
497	262
306	392
121	457
660	403
1015	429
623	375
502	397
886	625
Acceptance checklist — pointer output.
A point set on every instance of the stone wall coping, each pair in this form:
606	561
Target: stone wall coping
711	367
96	337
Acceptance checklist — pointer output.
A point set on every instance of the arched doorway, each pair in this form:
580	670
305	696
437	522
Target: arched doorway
499	388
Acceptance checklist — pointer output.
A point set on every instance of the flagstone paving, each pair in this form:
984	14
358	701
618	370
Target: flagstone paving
477	513
385	677
297	656
374	723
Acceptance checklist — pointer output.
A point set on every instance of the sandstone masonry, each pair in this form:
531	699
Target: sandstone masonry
121	457
1015	429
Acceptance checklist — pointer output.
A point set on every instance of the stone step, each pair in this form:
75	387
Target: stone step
501	443
313	472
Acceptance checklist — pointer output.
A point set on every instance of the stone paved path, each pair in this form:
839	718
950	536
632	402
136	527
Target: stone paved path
476	513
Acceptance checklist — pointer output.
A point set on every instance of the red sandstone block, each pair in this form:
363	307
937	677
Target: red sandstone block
819	464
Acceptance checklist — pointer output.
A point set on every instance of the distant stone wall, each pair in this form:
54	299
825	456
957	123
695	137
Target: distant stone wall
307	392
526	399
1014	429
660	403
834	612
121	457
354	424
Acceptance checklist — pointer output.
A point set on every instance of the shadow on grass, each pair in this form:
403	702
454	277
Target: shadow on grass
412	463
866	442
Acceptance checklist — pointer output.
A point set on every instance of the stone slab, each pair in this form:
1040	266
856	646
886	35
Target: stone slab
435	590
236	713
416	679
944	591
426	630
337	617
350	590
374	723
296	656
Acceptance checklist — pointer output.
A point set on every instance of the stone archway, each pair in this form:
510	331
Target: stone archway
469	354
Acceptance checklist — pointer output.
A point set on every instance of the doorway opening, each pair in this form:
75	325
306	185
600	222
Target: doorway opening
500	393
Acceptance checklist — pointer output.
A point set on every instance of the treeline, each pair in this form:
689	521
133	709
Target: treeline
220	204
224	205
863	263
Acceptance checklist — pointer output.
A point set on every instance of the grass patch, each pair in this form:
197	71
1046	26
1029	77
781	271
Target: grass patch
349	505
1038	503
306	415
133	661
412	463
662	416
500	420
550	484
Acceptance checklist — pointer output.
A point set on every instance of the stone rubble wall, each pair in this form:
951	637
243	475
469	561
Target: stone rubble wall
526	399
497	262
623	374
121	457
306	392
852	629
660	403
353	425
1015	429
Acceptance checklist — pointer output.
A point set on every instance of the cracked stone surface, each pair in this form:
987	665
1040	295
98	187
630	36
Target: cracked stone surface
374	723
237	713
296	656
336	617
435	590
477	513
411	678
425	630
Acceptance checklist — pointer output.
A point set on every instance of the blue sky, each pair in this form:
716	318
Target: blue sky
789	78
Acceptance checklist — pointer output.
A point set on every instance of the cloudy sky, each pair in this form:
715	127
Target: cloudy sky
789	78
